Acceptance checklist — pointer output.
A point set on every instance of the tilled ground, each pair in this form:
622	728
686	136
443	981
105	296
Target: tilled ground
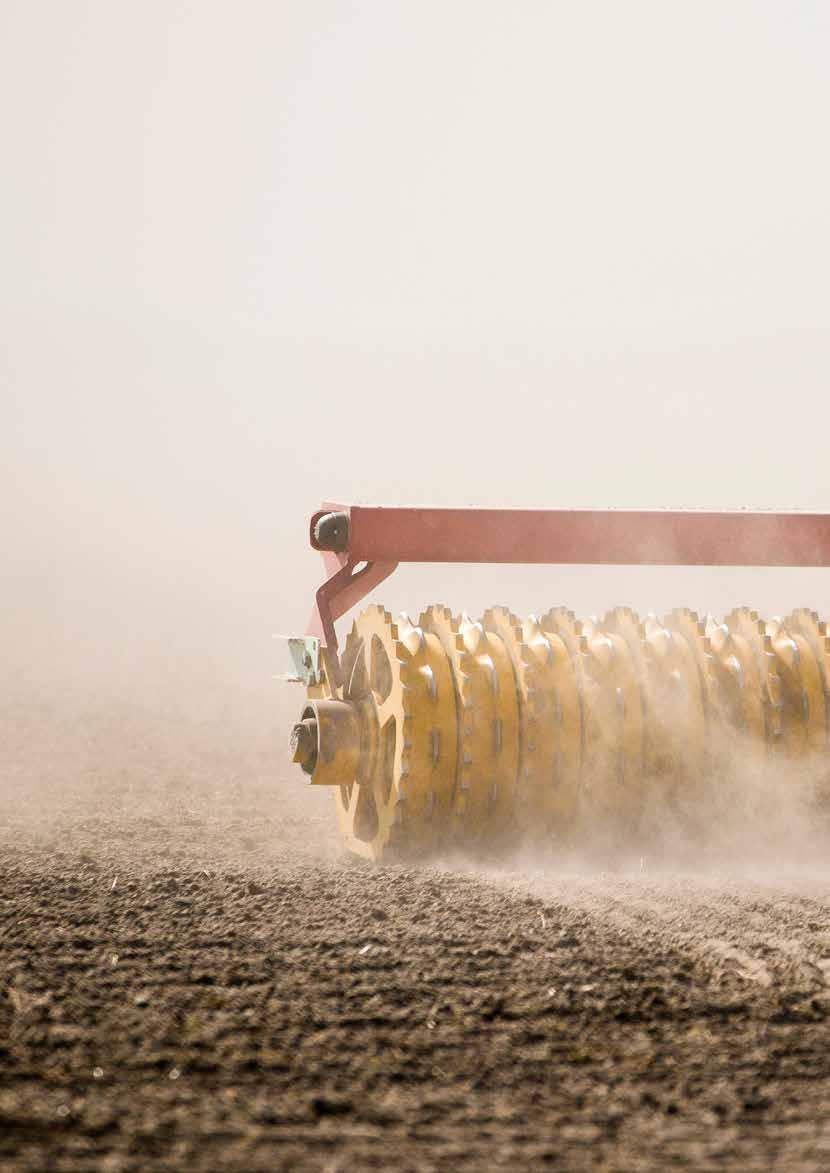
193	982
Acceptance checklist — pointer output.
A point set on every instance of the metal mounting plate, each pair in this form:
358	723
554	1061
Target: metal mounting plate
304	653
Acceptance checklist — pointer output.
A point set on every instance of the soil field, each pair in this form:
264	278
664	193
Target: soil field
194	977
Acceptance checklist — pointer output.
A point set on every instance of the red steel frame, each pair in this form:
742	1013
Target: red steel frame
379	537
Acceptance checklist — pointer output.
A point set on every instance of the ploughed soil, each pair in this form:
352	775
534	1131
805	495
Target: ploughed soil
193	976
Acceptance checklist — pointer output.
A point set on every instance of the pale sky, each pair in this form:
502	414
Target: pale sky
256	255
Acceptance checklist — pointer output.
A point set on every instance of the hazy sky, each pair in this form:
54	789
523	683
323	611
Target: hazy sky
253	255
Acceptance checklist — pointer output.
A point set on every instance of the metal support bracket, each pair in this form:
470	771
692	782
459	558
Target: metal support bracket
338	594
304	653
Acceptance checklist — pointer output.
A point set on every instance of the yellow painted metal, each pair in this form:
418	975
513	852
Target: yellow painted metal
808	625
492	660
335	727
614	728
742	677
399	680
676	711
689	631
453	733
558	719
488	727
804	724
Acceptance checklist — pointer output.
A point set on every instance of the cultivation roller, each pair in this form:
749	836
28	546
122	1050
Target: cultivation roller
449	731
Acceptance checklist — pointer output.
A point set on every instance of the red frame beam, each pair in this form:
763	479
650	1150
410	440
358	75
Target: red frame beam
382	536
589	536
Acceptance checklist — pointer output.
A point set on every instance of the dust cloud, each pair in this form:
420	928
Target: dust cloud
754	820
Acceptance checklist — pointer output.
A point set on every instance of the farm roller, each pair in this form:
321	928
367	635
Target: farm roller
448	731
